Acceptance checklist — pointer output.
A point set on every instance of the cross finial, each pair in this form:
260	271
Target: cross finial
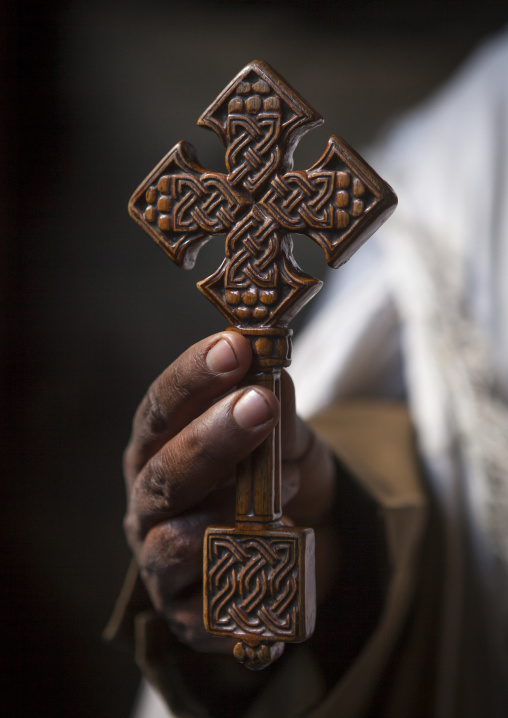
339	203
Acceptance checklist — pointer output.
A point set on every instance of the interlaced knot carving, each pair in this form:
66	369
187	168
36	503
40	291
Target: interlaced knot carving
253	586
253	130
339	202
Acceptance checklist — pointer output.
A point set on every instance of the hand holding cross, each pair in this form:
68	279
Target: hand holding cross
259	575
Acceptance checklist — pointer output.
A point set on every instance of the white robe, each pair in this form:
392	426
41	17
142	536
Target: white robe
424	306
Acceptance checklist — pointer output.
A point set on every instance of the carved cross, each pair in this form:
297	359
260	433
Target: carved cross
259	575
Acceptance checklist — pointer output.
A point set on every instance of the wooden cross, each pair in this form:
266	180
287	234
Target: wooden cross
259	576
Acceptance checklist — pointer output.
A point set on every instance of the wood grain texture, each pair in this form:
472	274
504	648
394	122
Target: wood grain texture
259	576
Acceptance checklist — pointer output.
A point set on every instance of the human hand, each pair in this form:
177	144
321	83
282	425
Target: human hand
180	466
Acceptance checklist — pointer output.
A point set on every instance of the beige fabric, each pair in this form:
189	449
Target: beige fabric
375	441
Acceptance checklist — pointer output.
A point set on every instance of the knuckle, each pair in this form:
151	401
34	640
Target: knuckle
155	420
170	559
152	498
170	389
128	466
165	477
166	550
157	481
132	530
185	619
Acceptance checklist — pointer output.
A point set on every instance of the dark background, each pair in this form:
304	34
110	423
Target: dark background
93	95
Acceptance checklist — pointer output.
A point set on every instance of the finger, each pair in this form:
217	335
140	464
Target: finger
183	391
295	434
308	468
171	557
171	563
202	457
185	619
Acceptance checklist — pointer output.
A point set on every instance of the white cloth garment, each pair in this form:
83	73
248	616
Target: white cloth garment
422	310
429	293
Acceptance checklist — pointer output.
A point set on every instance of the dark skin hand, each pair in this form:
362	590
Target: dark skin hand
180	465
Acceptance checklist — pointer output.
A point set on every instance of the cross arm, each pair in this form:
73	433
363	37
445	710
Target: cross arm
180	205
339	202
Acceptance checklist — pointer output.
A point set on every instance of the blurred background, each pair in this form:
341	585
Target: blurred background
93	94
